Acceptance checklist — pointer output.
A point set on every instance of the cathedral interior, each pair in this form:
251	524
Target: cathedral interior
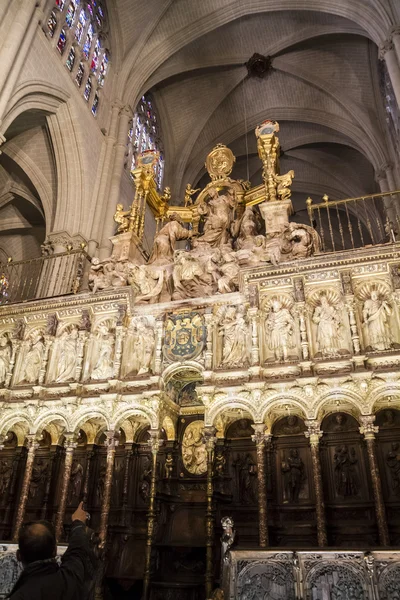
200	293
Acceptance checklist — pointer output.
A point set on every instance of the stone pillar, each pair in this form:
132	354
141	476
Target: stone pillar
395	34
390	210
125	115
70	445
111	443
210	441
314	433
368	429
387	52
155	443
255	343
32	446
259	438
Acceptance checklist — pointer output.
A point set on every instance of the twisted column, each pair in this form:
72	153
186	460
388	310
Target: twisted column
32	446
155	443
210	441
368	429
111	444
259	438
314	434
69	445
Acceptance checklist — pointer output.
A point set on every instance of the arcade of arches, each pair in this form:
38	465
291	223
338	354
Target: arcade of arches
200	292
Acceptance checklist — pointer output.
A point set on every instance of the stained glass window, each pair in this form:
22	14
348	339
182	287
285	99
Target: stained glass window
80	74
71	59
103	68
144	134
95	58
60	4
80	25
69	17
88	88
52	23
62	40
88	41
95	104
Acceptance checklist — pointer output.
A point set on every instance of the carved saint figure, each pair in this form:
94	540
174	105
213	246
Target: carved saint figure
279	330
38	477
328	325
75	482
393	462
169	466
376	323
194	454
218	217
234	333
33	358
139	348
104	345
228	536
219	463
5	357
5	476
293	476
346	481
247	476
121	218
164	242
144	486
66	363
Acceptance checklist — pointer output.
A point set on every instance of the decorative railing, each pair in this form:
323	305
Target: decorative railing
355	222
43	277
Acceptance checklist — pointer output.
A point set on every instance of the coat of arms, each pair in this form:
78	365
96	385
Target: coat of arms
185	334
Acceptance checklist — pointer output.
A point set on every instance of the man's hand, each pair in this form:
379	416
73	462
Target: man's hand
80	514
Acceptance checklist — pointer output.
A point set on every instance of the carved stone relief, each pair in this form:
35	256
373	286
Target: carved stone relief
234	339
194	454
329	324
138	349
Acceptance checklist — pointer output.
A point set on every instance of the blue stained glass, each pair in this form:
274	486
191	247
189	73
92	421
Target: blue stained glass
88	42
95	104
81	25
62	40
69	17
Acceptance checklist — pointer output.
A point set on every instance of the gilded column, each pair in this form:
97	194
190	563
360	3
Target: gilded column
32	446
368	429
259	439
111	443
69	445
210	441
155	443
314	434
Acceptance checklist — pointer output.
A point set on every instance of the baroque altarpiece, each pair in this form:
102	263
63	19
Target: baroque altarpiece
240	383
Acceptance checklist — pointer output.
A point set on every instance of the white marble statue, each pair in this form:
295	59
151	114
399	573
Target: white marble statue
196	273
327	319
5	357
33	358
165	240
235	338
66	355
138	348
103	347
218	213
376	313
229	268
279	327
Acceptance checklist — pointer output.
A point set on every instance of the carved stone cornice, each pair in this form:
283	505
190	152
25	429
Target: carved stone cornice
385	47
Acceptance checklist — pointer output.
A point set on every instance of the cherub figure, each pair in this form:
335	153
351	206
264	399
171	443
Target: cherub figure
189	192
121	217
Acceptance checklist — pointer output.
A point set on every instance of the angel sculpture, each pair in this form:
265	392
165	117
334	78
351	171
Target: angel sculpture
120	216
189	192
283	185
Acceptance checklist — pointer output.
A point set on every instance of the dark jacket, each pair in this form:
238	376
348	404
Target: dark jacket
46	580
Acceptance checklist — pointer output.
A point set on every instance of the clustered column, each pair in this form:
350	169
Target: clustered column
368	429
314	434
260	438
32	446
70	445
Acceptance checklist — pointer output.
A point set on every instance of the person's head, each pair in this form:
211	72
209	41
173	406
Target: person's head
36	541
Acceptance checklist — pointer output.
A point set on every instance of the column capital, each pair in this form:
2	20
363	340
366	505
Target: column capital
112	439
155	442
260	436
70	441
394	31
379	175
126	111
385	47
313	432
209	437
32	442
386	166
368	429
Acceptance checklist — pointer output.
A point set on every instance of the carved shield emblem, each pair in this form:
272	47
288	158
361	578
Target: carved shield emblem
185	334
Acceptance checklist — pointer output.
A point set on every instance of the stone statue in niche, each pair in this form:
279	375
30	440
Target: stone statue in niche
393	462
138	347
219	463
194	454
75	482
279	328
19	330
5	476
165	240
67	354
327	319
38	478
389	419
33	358
145	479
376	313
218	214
235	337
247	478
241	429
339	422
169	466
51	325
299	290
5	356
103	348
292	468
290	425
345	464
